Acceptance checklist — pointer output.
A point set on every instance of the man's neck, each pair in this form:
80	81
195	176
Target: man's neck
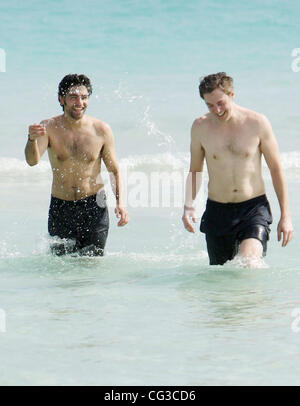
235	113
233	117
72	123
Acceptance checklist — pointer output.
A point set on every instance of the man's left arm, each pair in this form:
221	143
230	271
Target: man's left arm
270	150
109	157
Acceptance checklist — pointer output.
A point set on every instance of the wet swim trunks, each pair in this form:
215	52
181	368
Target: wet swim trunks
84	221
226	225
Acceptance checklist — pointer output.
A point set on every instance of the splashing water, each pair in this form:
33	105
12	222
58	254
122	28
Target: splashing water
152	130
240	261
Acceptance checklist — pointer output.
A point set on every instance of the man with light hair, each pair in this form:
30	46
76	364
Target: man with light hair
232	140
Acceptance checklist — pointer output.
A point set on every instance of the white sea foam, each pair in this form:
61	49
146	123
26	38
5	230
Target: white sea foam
291	165
15	169
160	258
162	162
291	161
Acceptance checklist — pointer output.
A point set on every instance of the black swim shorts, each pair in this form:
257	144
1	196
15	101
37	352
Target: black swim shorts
84	221
226	225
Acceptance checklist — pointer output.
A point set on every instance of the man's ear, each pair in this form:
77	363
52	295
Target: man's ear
61	101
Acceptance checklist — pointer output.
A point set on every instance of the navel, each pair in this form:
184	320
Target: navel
235	190
214	156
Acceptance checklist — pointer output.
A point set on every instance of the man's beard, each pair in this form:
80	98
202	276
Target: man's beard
73	114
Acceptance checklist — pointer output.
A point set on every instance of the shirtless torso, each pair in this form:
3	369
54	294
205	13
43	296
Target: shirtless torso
233	156
232	140
76	145
75	156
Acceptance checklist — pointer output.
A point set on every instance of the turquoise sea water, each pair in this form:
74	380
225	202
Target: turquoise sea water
151	312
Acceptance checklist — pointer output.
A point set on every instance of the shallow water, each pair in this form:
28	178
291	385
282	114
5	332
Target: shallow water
129	320
151	312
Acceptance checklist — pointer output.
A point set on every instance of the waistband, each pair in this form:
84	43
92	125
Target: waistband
90	200
253	201
74	202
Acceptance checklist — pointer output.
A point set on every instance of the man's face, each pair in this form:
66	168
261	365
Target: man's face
219	104
75	102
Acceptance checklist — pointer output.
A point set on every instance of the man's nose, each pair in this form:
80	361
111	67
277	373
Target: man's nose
78	100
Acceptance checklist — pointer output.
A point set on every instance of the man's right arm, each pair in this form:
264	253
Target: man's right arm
37	143
194	178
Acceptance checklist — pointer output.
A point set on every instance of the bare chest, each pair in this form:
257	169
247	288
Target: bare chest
235	145
81	146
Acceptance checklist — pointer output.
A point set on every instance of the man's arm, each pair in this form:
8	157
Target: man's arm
194	178
109	157
37	143
270	150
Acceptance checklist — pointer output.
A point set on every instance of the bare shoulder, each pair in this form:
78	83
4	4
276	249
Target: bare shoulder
101	127
202	121
257	123
51	123
264	122
256	119
200	124
104	131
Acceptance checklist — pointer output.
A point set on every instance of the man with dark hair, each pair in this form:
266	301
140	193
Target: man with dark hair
232	139
73	80
76	145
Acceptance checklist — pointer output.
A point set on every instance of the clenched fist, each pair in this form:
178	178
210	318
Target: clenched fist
36	131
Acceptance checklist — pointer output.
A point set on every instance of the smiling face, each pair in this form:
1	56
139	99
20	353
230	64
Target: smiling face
219	104
75	102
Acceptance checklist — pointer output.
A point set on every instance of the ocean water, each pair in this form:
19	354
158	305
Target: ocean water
152	311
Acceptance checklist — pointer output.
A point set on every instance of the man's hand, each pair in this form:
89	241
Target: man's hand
122	214
285	227
36	131
189	212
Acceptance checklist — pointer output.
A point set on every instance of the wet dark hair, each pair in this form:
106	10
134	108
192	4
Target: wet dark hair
214	81
73	80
